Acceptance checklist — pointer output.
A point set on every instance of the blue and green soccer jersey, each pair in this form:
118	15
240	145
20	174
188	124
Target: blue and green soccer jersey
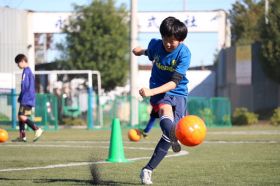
165	64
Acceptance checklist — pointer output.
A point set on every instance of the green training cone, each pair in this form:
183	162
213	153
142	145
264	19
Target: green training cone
116	152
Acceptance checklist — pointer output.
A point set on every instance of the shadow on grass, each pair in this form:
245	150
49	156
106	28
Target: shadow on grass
87	182
72	181
97	176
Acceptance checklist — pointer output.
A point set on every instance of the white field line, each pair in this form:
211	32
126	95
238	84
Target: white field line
82	142
69	146
182	153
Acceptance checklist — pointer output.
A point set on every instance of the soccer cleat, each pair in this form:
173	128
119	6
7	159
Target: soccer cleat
176	147
146	177
19	139
144	134
38	134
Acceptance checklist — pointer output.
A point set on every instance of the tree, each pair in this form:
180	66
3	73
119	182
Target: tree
270	42
98	39
244	17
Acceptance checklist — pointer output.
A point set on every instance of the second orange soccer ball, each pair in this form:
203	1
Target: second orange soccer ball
3	135
134	135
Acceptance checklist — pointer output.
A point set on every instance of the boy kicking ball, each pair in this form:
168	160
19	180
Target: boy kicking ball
168	86
26	100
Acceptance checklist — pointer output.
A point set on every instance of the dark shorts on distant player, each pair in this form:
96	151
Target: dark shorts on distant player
25	110
178	103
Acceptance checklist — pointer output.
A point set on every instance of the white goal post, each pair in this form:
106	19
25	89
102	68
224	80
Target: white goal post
90	120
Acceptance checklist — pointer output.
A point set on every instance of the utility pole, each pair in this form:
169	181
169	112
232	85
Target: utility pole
184	5
266	7
133	65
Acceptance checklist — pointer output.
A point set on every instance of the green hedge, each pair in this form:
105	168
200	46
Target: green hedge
242	116
275	119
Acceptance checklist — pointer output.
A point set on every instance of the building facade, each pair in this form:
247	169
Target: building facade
241	78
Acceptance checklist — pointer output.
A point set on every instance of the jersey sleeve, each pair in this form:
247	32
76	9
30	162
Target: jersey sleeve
152	49
183	62
25	85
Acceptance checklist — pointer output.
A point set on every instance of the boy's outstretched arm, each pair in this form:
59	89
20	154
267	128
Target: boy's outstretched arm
146	92
176	78
138	51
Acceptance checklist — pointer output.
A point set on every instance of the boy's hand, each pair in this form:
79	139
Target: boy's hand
138	51
145	92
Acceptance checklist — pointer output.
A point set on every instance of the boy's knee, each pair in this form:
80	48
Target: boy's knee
22	117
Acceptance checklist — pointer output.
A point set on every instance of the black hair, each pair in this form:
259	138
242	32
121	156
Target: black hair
20	57
171	26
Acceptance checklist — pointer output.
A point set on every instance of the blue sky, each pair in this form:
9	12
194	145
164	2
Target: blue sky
202	45
143	5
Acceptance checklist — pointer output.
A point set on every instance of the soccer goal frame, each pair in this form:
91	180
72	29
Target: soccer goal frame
90	120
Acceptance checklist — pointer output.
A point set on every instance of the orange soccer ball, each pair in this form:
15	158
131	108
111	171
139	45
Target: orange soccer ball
134	135
191	130
3	135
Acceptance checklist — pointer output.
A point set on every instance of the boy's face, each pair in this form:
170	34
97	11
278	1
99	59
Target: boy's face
21	64
170	43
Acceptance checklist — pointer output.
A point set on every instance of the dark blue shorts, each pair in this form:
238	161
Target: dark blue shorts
178	103
25	110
